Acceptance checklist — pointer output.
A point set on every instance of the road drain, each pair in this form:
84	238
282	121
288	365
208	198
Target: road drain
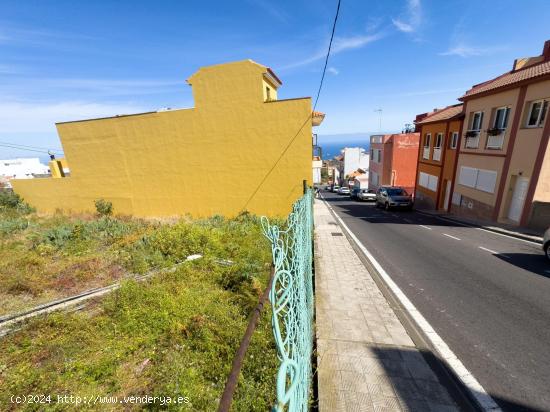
336	234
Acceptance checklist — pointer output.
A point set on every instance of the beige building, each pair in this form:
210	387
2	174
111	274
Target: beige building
503	169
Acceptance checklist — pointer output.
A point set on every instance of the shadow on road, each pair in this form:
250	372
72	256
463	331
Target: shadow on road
535	263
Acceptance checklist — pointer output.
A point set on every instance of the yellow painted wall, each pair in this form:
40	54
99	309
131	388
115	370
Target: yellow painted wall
221	157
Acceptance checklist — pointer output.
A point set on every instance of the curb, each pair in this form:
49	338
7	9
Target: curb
475	391
494	229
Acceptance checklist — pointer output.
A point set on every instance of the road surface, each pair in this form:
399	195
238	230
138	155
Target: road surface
487	295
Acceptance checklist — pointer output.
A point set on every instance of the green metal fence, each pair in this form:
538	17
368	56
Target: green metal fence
292	301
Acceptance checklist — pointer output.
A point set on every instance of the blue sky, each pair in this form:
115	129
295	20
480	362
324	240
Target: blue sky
66	60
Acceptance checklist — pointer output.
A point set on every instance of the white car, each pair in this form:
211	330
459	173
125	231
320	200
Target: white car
343	191
368	195
335	188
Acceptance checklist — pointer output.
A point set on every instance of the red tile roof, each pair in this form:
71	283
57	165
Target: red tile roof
446	113
510	78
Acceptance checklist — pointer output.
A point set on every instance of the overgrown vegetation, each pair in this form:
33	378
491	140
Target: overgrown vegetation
175	334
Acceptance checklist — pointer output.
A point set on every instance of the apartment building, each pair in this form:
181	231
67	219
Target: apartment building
393	160
503	169
440	133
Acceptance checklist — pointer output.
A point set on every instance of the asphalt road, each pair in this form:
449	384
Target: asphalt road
488	296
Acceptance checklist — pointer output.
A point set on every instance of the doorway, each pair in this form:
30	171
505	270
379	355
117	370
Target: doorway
518	198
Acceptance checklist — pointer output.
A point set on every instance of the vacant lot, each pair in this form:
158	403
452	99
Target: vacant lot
172	335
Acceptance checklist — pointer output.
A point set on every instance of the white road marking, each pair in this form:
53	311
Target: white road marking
485	401
452	237
425	227
488	250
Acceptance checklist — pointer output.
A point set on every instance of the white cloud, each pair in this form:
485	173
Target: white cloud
466	51
412	19
23	117
270	8
339	45
333	70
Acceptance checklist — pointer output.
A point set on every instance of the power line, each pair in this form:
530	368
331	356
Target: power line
308	118
32	147
25	149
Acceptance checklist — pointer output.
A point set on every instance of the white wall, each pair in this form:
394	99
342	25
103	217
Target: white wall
355	158
22	168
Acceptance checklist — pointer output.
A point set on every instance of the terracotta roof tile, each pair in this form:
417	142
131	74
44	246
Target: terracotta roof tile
444	114
510	78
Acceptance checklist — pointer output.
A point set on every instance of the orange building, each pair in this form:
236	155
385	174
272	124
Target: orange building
393	160
440	133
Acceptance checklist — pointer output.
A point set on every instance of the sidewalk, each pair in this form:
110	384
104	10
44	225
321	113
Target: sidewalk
366	360
509	230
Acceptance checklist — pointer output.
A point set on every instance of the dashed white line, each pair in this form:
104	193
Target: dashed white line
452	237
488	250
425	227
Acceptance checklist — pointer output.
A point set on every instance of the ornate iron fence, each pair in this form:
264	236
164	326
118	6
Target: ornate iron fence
291	298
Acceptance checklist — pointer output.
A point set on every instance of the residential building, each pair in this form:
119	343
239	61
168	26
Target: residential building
317	166
22	168
393	160
440	133
240	148
503	169
354	158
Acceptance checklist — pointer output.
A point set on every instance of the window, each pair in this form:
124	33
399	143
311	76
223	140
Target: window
479	179
427	141
501	118
374	178
537	113
438	140
428	181
376	155
268	93
371	154
477	121
454	140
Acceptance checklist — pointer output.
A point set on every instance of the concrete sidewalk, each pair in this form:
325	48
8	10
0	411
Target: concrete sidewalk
366	360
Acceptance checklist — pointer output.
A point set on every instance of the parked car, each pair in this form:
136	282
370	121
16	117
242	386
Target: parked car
367	195
343	190
393	196
327	187
335	188
546	243
354	192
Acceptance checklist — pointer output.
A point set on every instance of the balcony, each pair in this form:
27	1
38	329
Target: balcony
426	154
472	139
495	139
437	154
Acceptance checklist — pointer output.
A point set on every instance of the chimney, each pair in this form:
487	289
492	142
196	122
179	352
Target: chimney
546	50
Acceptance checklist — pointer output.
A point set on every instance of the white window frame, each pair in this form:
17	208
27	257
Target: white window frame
480	113
427	143
506	117
542	113
438	141
454	140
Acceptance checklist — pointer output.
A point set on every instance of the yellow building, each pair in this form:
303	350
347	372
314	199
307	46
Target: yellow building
239	148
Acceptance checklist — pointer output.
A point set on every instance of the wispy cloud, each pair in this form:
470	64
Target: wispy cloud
339	45
412	19
424	92
25	117
465	51
97	87
333	70
271	9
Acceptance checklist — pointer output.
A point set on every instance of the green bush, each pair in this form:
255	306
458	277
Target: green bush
12	201
103	207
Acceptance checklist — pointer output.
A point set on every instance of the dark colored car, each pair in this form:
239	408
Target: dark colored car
546	243
354	192
393	197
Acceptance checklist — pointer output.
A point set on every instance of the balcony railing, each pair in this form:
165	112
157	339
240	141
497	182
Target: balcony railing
437	153
472	139
495	141
426	154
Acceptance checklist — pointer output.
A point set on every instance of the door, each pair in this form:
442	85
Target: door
447	194
518	198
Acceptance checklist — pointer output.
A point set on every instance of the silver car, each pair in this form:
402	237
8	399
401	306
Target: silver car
546	243
393	197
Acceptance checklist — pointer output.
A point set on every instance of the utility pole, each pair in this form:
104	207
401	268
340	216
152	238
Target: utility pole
379	110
